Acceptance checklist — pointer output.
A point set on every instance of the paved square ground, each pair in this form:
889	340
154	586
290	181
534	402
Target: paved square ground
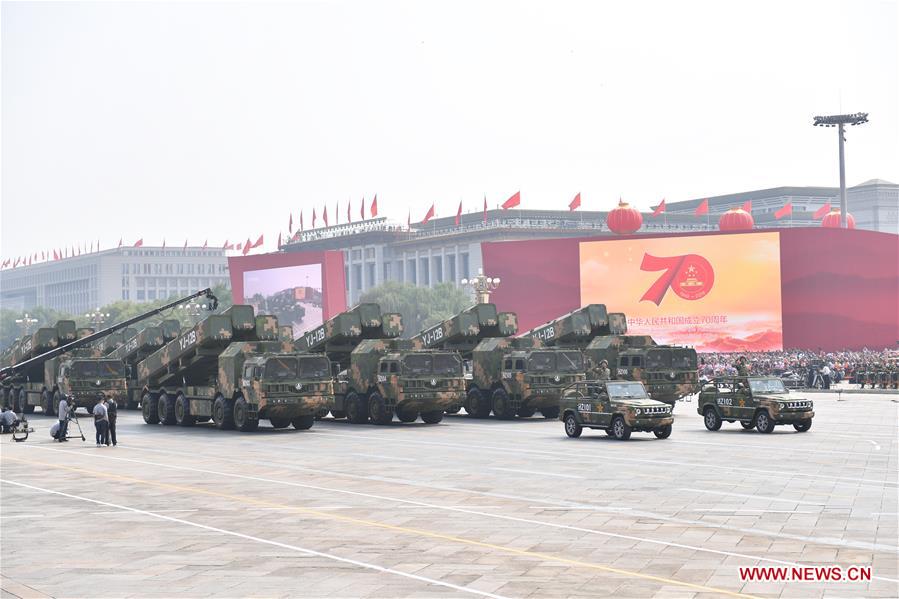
466	507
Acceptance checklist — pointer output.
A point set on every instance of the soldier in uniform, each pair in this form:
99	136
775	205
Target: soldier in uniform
742	368
604	373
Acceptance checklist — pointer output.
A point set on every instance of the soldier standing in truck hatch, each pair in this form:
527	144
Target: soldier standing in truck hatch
742	368
604	373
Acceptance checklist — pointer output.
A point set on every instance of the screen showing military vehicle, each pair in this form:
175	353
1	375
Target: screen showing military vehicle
292	293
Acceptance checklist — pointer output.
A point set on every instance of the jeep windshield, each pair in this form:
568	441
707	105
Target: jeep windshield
315	367
542	361
571	361
278	369
658	358
767	386
628	390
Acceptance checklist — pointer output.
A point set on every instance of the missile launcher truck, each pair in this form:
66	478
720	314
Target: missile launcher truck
232	368
506	375
24	393
667	372
138	347
380	375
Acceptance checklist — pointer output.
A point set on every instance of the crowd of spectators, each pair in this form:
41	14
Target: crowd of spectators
842	364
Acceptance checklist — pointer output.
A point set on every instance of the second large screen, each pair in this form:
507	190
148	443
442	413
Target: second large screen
716	293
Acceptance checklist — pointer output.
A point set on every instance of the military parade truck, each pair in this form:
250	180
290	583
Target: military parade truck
618	407
507	375
753	401
233	369
138	347
24	392
380	375
668	372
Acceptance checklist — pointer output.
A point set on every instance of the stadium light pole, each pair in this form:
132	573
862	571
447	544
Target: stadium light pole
840	121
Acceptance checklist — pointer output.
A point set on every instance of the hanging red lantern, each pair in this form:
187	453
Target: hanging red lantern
624	219
736	219
831	220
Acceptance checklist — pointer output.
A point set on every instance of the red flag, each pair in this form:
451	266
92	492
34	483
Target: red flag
515	200
290	224
239	246
29	260
163	243
205	244
120	242
92	247
485	209
258	243
55	256
409	220
225	246
139	243
349	217
301	220
43	255
820	212
313	218
747	206
279	240
247	247
336	213
787	210
429	215
185	244
325	215
374	207
660	208
575	203
79	250
703	208
362	208
459	214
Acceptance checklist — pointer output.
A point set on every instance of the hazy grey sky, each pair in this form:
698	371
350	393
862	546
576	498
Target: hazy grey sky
216	120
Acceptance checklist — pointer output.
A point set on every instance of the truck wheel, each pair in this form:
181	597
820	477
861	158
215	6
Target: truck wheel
476	404
46	403
432	417
502	406
378	412
453	409
23	401
319	414
747	424
572	428
550	413
620	429
803	426
302	423
279	422
356	411
242	420
166	409
662	433
407	414
711	419
149	409
763	422
338	414
525	412
183	417
223	413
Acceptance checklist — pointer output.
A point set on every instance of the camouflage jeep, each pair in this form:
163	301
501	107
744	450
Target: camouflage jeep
760	402
618	407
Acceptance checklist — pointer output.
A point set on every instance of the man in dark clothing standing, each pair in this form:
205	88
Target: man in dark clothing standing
101	421
62	435
111	412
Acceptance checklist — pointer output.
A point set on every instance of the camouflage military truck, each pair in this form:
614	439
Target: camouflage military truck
379	375
25	393
505	375
136	348
753	401
668	372
618	407
233	369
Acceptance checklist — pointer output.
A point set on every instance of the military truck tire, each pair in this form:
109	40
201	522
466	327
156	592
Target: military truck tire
550	413
223	413
279	422
149	409
803	426
378	412
23	401
572	428
183	417
166	409
432	417
711	418
453	410
407	414
763	422
46	403
356	411
242	420
302	423
525	412
662	433
476	405
620	429
338	414
502	406
319	414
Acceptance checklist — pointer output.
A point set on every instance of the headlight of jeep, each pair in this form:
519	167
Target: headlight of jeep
638	411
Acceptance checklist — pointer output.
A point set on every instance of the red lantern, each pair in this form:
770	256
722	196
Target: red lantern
624	219
736	219
831	220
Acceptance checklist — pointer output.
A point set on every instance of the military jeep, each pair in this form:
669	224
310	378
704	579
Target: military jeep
759	402
618	407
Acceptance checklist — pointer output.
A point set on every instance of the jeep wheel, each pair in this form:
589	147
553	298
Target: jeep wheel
525	412
223	413
572	428
148	407
356	410
242	419
747	424
183	417
763	422
711	419
279	422
378	412
620	429
803	426
166	409
302	423
502	405
476	405
46	405
550	413
663	433
432	417
406	414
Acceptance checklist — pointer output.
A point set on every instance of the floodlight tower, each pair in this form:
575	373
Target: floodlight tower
841	120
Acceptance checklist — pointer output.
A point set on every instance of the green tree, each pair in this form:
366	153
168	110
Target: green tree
421	307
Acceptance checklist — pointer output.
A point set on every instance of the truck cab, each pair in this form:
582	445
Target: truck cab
668	372
85	380
533	380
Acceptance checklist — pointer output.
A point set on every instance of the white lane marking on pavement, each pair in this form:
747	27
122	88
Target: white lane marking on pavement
232	533
382	457
154	511
875	444
26	516
578	508
555	474
747	496
760	532
726	511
